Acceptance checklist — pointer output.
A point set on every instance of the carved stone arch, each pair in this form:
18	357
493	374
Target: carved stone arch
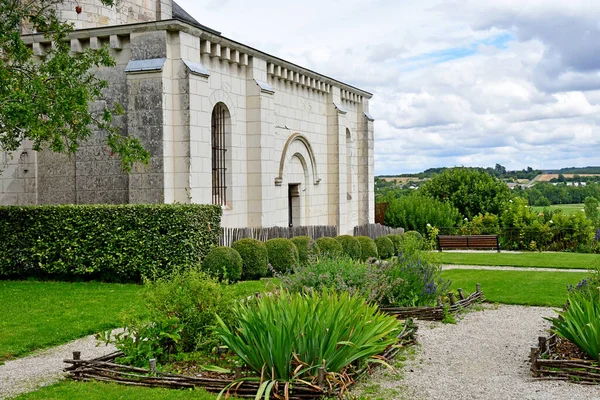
220	96
313	163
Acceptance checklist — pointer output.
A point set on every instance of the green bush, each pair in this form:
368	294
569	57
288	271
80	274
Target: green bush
283	254
116	243
181	313
396	240
307	248
385	247
223	263
330	247
311	331
254	258
340	274
368	248
415	211
350	245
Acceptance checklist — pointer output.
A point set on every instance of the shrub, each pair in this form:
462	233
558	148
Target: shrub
311	332
116	243
181	313
283	254
414	212
368	248
350	245
330	247
307	248
255	258
396	240
223	263
341	274
385	247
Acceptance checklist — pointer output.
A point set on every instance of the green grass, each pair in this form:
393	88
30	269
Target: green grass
535	260
105	391
44	314
534	288
568	209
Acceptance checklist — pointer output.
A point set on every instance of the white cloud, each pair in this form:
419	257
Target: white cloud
470	82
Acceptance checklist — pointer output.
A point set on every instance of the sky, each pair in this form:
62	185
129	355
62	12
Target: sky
471	82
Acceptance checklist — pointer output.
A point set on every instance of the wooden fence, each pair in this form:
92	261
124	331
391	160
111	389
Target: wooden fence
230	235
375	230
546	364
106	370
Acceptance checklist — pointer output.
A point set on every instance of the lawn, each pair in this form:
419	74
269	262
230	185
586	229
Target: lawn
535	288
535	260
567	209
100	391
44	314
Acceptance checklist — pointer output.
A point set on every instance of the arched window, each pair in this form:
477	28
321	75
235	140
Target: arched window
220	127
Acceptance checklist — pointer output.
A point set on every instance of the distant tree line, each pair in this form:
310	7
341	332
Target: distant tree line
544	194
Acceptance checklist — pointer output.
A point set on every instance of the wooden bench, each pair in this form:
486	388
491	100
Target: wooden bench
468	242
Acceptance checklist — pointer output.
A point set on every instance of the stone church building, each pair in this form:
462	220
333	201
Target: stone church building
273	143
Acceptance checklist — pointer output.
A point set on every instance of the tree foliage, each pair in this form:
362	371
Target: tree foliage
472	192
48	99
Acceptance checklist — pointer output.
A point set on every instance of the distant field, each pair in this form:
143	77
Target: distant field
548	177
403	179
568	209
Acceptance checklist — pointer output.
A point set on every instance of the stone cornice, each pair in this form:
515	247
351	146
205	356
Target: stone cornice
221	47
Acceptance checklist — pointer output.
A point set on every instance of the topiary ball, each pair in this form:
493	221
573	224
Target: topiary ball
415	238
283	254
385	247
329	247
307	248
254	258
396	240
368	247
350	245
223	263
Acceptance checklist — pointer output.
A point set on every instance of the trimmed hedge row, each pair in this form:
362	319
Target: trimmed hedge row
115	243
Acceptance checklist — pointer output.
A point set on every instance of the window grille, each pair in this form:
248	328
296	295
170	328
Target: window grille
219	149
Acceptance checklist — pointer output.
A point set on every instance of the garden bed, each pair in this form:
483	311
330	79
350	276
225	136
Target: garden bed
440	311
105	369
556	358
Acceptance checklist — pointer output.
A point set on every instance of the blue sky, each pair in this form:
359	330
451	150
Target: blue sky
462	82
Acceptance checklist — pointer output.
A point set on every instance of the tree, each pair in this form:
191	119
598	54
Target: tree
591	209
472	192
48	100
500	169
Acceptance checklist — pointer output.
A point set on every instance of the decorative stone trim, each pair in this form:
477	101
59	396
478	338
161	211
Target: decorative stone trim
301	138
368	116
140	66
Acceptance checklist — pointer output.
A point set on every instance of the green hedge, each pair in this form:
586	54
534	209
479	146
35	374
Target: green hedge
223	263
115	243
255	258
350	245
368	248
283	254
329	247
307	248
385	247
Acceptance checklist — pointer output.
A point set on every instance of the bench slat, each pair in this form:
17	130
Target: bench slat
468	241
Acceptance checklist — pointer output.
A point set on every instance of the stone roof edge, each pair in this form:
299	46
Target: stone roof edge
178	25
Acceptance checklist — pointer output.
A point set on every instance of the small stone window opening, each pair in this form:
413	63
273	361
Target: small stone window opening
220	117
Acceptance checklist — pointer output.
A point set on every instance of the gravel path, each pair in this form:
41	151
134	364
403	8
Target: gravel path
45	367
482	357
495	268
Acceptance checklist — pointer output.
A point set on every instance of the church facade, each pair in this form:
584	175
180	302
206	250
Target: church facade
273	143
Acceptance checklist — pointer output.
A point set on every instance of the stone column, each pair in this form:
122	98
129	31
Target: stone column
366	165
262	170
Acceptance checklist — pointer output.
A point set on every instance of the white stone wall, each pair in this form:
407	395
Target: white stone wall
18	176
